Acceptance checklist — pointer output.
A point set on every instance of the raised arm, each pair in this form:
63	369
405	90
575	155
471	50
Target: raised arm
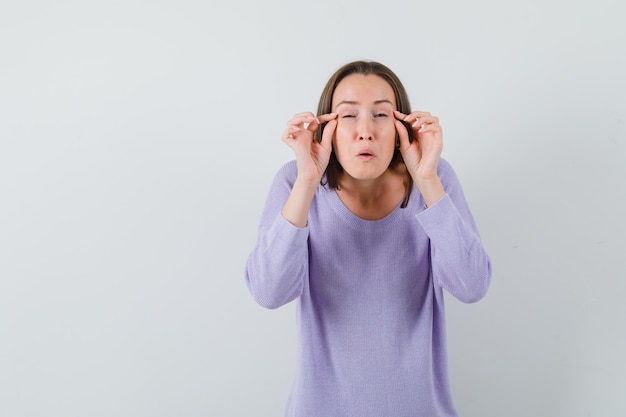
311	159
278	265
460	263
421	156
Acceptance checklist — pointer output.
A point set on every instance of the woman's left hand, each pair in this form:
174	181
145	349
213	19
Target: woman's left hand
421	156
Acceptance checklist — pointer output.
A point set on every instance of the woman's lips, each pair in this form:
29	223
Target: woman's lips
365	155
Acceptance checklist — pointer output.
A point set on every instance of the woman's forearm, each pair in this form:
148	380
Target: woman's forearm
296	209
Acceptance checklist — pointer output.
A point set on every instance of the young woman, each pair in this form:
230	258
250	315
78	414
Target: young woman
366	228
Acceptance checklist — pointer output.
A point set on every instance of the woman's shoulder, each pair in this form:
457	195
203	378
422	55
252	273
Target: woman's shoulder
289	169
446	173
287	173
448	178
444	166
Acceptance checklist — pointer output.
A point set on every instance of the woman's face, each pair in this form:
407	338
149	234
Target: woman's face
365	137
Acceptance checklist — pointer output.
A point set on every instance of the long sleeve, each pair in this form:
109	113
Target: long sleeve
278	265
369	292
460	263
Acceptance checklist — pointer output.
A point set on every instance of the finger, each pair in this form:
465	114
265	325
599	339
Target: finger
289	134
406	126
302	119
399	115
413	115
429	128
327	134
327	117
409	119
422	122
419	114
426	118
303	114
403	134
314	125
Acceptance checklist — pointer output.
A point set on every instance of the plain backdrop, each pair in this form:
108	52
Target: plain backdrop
138	140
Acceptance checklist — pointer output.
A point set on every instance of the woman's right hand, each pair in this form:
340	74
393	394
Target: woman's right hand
311	157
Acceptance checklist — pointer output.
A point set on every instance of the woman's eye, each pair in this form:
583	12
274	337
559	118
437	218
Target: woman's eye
380	115
346	116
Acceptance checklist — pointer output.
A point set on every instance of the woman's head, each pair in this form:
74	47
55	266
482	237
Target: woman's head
391	86
364	68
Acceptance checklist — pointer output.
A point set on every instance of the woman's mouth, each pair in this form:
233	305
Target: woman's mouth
365	155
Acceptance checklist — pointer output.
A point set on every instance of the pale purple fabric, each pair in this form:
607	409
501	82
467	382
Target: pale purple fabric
370	311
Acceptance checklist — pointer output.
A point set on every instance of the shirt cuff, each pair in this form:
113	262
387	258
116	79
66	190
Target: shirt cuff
437	214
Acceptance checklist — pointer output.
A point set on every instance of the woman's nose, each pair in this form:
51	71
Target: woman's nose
364	129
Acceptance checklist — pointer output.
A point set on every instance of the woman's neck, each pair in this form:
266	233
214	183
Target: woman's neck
372	199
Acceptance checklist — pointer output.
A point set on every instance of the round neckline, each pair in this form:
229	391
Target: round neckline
352	219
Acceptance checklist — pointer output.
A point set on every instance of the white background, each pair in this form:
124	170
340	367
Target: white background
138	141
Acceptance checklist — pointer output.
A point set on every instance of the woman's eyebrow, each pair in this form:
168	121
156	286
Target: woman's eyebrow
347	102
352	102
